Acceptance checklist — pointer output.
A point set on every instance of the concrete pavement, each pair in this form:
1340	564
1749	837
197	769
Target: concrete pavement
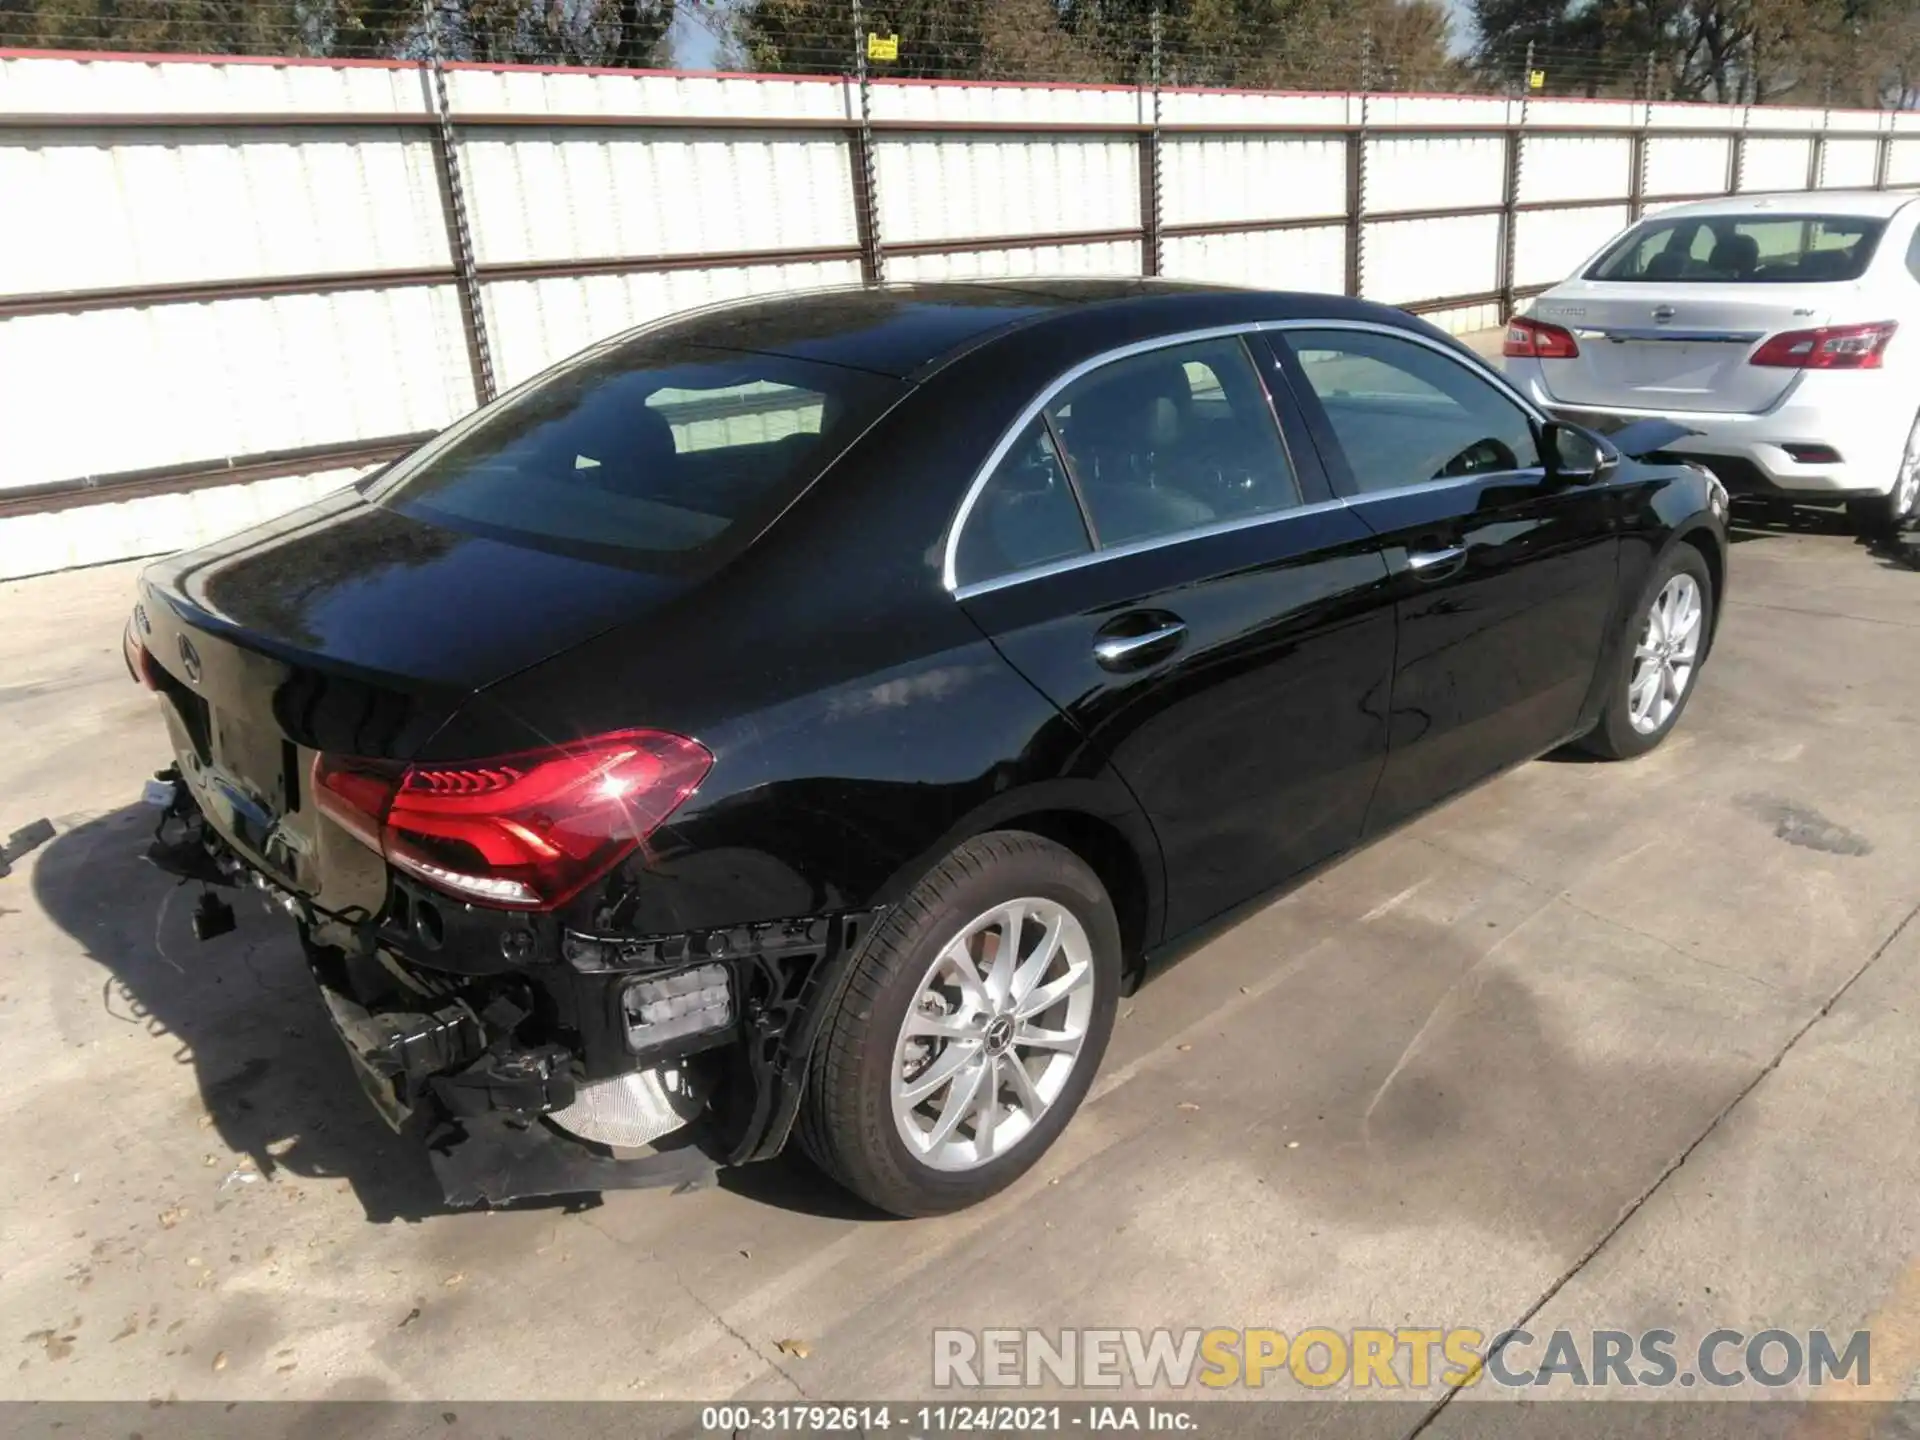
1595	1046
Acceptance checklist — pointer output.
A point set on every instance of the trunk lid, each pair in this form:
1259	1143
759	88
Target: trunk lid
351	628
1675	347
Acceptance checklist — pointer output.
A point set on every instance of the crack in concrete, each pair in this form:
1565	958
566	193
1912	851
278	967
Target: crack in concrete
1632	1209
726	1325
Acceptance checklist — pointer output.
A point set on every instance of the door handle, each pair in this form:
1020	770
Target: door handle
1122	652
1433	564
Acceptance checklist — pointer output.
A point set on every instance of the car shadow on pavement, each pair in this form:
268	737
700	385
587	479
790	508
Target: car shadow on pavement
1762	519
241	1010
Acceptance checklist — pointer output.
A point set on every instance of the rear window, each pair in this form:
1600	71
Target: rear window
651	449
1744	249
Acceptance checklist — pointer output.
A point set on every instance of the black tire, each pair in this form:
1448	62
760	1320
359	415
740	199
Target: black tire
1877	517
847	1124
1615	737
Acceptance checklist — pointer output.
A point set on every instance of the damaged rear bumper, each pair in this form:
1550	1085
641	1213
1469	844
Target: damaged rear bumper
687	1052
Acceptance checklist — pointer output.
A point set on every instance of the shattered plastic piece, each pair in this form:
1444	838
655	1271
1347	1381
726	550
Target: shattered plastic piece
799	1349
27	837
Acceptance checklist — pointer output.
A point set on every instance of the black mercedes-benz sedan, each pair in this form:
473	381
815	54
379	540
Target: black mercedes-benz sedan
803	718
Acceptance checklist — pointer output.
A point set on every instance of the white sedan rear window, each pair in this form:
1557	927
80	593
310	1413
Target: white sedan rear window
1743	249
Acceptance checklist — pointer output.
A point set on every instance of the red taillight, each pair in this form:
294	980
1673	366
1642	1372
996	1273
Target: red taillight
523	832
1832	347
1537	340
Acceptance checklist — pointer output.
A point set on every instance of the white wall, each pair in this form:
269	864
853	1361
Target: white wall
696	211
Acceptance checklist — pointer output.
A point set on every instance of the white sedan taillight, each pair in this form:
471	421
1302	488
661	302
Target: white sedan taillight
1831	347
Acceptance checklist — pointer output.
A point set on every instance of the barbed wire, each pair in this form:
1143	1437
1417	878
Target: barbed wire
1382	46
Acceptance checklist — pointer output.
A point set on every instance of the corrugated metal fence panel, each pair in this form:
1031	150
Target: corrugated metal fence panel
1117	257
1008	104
1575	114
1415	111
152	525
131	389
1687	164
1549	244
1251	177
1246	107
159	207
1435	172
592	194
1406	261
1848	164
238	87
1574	167
951	187
477	90
1677	116
535	323
1903	160
1771	163
1313	259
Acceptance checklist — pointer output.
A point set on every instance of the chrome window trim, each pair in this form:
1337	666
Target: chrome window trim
1137	547
1474	367
949	576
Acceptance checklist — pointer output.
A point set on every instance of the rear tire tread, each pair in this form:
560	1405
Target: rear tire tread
828	1109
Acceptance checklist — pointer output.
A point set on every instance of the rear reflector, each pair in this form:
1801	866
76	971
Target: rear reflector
1537	340
523	832
1832	347
1813	454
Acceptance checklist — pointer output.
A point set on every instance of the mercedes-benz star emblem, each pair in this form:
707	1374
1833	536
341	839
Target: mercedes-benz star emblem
190	660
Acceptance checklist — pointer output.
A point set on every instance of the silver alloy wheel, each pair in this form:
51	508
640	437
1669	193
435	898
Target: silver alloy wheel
993	1033
1664	660
1906	488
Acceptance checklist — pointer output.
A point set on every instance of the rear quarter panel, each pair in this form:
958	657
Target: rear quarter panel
861	725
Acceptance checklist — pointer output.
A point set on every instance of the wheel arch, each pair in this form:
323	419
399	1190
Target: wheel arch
1713	551
1100	823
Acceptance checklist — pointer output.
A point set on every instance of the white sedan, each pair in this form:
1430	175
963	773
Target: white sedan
1783	329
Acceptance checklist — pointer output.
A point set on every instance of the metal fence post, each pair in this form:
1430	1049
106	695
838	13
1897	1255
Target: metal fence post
1510	195
1357	176
1152	252
1817	149
866	180
1637	149
1737	153
446	155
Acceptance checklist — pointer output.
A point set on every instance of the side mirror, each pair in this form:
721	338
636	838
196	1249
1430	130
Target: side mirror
1574	455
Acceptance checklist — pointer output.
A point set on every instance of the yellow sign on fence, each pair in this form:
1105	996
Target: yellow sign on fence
1536	80
883	47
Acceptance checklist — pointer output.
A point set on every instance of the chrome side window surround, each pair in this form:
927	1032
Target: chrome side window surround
948	574
1487	373
1136	547
949	577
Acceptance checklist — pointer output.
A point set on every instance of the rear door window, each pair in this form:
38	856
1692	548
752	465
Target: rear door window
649	449
1173	440
1743	249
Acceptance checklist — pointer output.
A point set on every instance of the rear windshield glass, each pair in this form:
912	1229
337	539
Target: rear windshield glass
651	448
1744	249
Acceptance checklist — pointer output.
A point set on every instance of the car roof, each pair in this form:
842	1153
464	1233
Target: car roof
1872	203
909	331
